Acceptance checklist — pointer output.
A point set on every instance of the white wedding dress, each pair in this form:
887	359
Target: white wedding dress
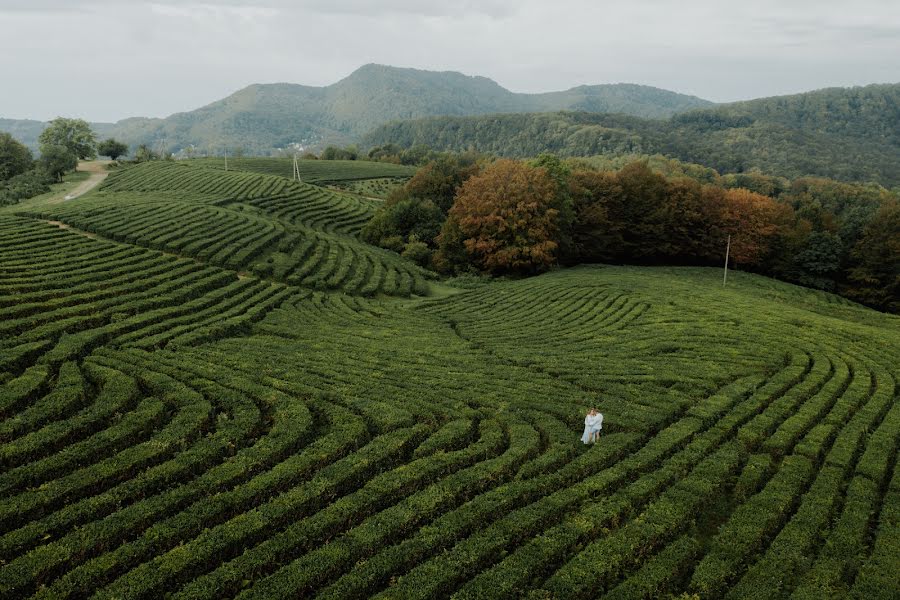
592	424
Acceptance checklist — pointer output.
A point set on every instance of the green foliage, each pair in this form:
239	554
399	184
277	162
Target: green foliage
418	252
15	158
846	134
56	160
73	134
440	179
111	148
877	257
803	232
144	153
381	187
334	153
291	232
819	262
407	218
25	185
414	214
182	413
417	155
169	428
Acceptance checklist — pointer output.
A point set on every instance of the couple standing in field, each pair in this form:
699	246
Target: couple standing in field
593	423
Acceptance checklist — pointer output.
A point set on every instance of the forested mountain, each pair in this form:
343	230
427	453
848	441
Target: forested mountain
871	112
262	117
850	134
24	130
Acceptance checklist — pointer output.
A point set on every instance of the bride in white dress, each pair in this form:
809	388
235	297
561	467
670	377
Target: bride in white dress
593	423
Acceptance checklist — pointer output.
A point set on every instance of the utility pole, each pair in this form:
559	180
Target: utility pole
296	174
727	252
226	158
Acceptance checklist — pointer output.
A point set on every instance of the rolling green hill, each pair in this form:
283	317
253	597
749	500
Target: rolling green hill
313	171
262	117
273	227
849	134
179	420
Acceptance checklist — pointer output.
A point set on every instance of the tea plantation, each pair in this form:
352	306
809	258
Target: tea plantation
212	389
319	172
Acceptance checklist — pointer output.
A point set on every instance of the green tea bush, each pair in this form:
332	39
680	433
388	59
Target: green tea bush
210	388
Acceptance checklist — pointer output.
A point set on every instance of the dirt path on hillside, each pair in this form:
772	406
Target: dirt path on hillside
98	172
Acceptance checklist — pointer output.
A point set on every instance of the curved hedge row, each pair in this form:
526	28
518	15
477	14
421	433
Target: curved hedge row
168	429
319	172
277	229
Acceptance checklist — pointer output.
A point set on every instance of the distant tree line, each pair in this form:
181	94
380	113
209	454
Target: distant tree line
62	144
837	136
390	153
467	212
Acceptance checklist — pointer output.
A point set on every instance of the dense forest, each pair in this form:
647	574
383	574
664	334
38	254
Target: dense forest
469	213
846	134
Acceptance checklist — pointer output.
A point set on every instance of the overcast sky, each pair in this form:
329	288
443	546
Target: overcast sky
109	59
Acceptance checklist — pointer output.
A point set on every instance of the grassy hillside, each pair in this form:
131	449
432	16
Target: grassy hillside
847	134
313	171
262	117
290	232
173	425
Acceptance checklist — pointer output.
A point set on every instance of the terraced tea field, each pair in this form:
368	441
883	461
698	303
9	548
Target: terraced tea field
179	420
320	172
295	233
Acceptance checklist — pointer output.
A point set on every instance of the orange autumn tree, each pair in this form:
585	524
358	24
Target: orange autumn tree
754	222
505	218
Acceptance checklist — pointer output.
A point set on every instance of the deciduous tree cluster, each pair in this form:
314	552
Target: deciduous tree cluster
517	217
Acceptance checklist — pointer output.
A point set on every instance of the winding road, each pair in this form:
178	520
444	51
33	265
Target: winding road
98	172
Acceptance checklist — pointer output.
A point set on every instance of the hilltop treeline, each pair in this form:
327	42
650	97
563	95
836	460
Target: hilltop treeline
20	175
465	212
845	134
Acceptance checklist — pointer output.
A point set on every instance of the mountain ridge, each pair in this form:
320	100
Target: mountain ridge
263	117
850	134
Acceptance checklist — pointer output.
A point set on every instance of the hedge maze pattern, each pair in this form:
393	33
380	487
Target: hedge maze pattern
290	232
168	428
319	172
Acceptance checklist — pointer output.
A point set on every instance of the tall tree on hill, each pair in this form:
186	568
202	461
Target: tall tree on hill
398	222
559	172
754	222
439	180
74	134
57	160
506	219
113	149
595	236
819	261
15	158
145	153
689	221
638	210
877	254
